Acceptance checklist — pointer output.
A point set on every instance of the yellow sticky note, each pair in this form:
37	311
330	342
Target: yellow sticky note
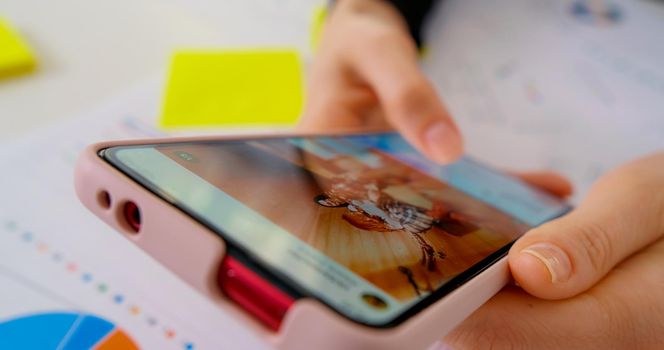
317	24
15	56
233	87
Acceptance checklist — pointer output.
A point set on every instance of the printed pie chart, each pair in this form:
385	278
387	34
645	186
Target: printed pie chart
66	331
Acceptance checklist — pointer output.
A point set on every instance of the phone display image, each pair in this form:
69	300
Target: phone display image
364	223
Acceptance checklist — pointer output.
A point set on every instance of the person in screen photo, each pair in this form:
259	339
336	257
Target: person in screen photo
369	208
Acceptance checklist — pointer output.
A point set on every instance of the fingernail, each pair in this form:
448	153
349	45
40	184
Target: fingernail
554	258
443	143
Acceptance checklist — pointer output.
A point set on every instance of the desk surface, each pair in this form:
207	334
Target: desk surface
88	52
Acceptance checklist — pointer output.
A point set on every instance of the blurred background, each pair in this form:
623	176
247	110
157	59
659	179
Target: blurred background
575	86
88	52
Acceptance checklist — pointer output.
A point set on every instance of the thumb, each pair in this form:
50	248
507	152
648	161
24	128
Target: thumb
623	213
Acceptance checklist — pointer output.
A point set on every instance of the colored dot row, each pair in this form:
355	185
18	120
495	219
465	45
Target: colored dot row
87	277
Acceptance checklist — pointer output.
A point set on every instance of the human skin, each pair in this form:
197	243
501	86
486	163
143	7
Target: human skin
589	280
610	296
365	75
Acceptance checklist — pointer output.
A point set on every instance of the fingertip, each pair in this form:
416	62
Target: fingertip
414	108
550	182
443	143
565	186
530	274
543	270
558	185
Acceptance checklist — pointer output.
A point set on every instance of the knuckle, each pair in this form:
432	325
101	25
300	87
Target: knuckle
371	39
378	38
639	184
382	36
597	245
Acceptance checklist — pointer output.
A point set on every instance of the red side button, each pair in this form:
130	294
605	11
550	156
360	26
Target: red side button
257	296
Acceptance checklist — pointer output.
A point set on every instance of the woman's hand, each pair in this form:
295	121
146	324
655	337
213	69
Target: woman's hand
366	76
593	279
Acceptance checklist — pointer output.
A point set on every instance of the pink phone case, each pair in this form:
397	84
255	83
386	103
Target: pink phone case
194	253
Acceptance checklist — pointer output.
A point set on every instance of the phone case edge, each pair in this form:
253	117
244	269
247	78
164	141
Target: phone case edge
308	323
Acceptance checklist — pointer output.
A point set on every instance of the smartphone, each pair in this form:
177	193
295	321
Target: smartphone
362	226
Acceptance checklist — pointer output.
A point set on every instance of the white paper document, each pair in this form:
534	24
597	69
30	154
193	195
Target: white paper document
60	265
572	86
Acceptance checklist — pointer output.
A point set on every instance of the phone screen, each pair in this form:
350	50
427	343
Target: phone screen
363	223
